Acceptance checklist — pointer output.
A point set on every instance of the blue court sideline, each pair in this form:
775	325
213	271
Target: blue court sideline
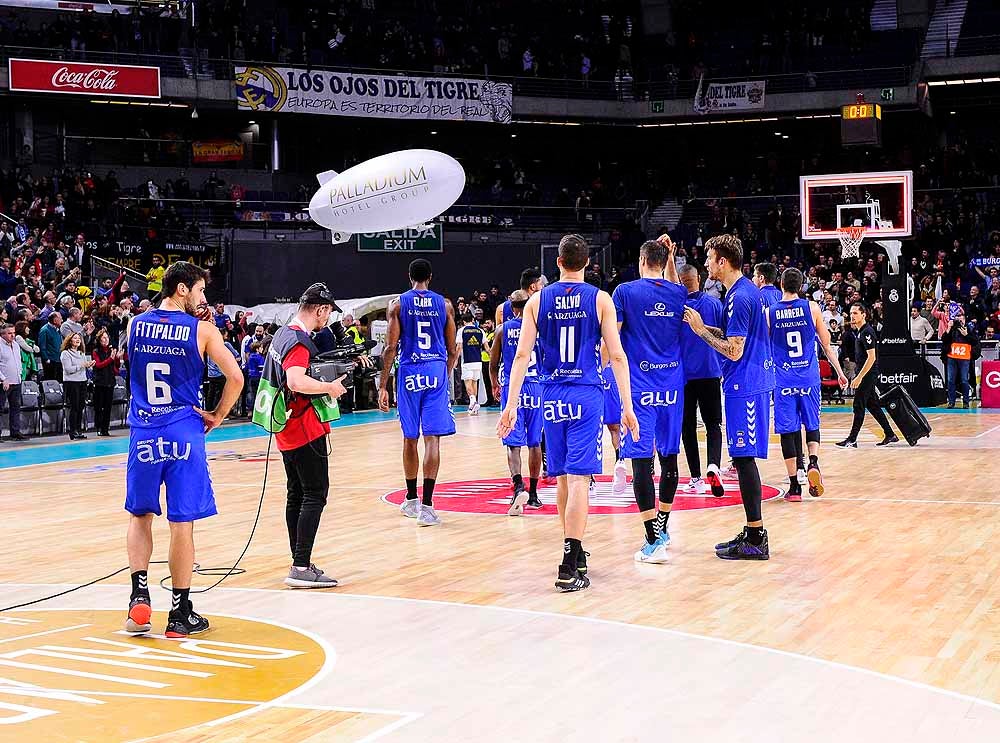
65	451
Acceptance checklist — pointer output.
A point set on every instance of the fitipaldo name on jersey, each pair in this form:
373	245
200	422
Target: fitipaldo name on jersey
161	331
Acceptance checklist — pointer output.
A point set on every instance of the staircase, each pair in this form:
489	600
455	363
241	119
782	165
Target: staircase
665	217
883	16
944	29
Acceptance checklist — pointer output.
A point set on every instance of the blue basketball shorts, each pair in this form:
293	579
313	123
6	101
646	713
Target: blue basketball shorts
573	421
612	401
747	419
796	408
661	418
422	399
174	456
527	430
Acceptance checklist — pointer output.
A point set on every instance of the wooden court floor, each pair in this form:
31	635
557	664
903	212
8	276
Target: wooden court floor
877	616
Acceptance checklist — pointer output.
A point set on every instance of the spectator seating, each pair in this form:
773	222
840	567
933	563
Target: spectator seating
53	417
31	410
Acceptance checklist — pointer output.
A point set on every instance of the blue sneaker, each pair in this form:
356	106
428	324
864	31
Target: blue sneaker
655	553
742	549
665	536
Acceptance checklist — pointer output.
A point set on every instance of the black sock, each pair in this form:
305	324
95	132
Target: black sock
518	481
411	489
661	520
428	492
814	460
618	454
180	601
794	488
140	584
571	553
652	533
755	535
533	486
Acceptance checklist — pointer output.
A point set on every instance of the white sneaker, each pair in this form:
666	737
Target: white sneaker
621	478
654	554
427	516
801	477
695	486
410	508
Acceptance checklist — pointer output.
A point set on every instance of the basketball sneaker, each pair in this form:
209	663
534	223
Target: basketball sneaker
571	580
311	577
695	486
847	444
731	542
793	497
731	472
140	610
620	479
714	479
655	553
410	508
533	502
427	516
800	475
665	536
816	488
890	439
180	624
742	549
517	502
581	562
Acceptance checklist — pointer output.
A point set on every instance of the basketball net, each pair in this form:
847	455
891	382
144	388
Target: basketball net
850	238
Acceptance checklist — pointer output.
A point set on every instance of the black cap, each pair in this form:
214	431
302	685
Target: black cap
319	294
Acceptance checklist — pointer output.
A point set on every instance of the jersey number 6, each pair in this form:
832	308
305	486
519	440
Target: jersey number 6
157	390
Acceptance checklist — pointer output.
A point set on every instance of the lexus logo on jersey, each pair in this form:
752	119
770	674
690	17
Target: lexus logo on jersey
78	78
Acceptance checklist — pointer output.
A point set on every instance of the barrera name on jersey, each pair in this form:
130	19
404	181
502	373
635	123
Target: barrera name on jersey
793	344
651	312
743	316
165	368
569	334
422	318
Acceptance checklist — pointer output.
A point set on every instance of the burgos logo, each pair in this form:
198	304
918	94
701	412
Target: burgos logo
659	310
650	366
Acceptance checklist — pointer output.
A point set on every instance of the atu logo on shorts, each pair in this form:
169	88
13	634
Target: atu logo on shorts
493	496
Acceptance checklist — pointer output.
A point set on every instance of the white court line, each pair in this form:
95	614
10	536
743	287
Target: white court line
984	433
914	500
46	632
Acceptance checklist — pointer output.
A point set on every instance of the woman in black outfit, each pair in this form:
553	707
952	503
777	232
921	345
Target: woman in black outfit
105	369
865	394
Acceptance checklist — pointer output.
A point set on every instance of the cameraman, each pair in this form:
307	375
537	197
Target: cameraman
957	346
302	440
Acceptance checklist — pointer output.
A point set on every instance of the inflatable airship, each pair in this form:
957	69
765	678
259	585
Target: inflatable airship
389	192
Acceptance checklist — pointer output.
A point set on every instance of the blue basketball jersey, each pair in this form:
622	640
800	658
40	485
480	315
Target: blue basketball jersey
651	312
569	334
507	313
743	316
165	368
473	339
422	319
793	344
770	294
509	335
700	361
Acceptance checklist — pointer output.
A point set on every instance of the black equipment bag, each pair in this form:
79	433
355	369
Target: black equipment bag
905	414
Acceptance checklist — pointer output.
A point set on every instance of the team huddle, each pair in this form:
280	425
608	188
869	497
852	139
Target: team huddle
569	359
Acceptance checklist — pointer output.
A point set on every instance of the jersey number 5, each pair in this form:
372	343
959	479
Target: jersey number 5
423	337
157	390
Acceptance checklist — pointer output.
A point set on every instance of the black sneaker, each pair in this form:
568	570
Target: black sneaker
581	562
571	580
182	624
731	542
18	437
815	477
533	502
890	439
139	612
744	549
847	444
518	501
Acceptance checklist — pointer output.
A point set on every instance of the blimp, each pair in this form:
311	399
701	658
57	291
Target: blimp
389	192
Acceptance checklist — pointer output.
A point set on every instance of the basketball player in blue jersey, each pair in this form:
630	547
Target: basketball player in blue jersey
612	420
650	312
532	282
528	430
796	324
422	324
569	319
166	351
702	388
747	378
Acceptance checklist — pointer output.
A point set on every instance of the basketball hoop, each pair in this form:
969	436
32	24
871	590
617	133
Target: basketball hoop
850	238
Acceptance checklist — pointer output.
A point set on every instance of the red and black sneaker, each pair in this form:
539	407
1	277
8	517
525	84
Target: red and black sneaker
714	479
140	610
816	488
180	624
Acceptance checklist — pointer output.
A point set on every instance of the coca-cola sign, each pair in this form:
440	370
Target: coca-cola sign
79	78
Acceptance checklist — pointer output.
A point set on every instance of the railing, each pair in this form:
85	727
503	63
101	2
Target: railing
77	148
192	64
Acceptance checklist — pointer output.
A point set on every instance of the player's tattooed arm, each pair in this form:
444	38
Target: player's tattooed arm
731	348
717	332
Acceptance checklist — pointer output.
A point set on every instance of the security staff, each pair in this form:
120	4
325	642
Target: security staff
298	408
865	394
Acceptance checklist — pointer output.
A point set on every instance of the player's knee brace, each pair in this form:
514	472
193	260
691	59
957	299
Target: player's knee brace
669	477
812	437
788	449
642	483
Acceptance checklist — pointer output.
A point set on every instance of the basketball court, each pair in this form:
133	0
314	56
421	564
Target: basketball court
877	608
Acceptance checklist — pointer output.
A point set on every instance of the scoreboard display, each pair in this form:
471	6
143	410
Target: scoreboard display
861	124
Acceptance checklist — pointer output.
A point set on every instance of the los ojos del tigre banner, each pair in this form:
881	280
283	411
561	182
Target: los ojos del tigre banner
728	96
372	96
